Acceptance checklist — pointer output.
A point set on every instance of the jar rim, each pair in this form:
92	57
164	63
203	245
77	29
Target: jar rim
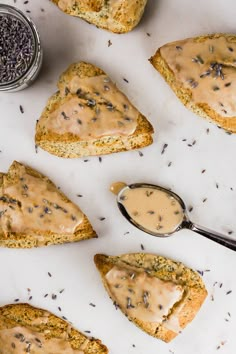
15	12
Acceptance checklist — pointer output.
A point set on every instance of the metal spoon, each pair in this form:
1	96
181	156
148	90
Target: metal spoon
121	189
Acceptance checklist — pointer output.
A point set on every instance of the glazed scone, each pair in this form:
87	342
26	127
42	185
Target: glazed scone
157	294
33	212
202	73
117	16
90	116
26	329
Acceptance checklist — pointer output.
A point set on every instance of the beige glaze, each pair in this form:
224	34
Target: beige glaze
172	322
92	108
116	187
154	209
31	203
142	296
192	62
18	340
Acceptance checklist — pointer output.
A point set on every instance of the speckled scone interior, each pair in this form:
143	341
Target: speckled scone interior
169	271
70	145
214	56
35	238
118	16
51	326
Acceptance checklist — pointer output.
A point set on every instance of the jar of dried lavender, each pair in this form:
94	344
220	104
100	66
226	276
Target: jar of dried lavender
20	50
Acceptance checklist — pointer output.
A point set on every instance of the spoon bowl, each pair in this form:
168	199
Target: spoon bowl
141	227
159	212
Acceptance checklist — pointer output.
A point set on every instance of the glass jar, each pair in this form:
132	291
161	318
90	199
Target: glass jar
34	67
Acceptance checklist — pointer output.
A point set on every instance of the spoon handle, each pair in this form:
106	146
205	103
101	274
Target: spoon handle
214	236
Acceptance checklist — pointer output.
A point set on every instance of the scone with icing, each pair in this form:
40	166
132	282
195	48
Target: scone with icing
202	73
33	212
90	116
119	16
26	329
157	294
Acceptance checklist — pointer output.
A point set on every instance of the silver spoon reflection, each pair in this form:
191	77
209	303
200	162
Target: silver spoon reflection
159	212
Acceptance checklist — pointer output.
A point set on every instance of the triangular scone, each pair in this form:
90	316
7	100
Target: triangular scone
119	16
159	295
90	116
26	329
202	73
33	212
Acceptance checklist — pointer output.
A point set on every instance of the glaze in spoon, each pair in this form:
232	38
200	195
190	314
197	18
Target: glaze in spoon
159	212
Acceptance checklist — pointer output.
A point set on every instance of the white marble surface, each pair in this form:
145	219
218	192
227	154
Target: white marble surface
65	40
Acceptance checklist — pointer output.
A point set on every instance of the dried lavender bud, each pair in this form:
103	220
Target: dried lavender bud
65	116
211	48
110	106
47	210
91	103
16	48
151	212
216	88
206	73
179	48
198	60
217	68
164	148
123	197
192	83
129	304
